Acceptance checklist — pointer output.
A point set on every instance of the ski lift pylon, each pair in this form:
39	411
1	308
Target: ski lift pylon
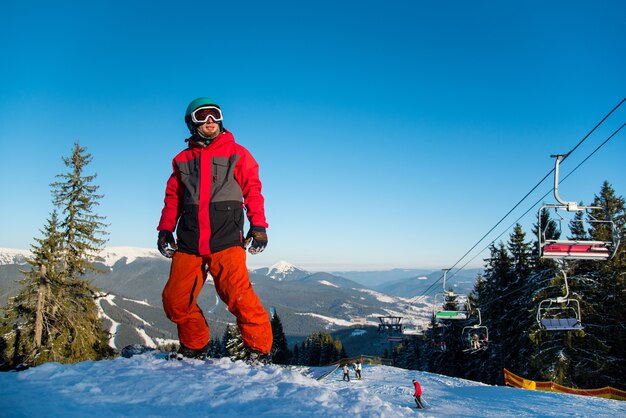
574	248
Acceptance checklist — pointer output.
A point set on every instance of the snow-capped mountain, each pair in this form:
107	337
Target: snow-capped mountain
306	302
112	255
109	256
282	270
13	256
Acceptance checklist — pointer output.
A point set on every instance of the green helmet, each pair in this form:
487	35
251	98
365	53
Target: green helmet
200	101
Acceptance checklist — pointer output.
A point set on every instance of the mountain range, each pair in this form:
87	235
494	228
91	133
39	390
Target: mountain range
306	302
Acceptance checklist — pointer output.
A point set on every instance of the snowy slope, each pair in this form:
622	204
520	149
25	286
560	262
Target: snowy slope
145	386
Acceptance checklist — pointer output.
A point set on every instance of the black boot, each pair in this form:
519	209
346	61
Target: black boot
256	358
200	353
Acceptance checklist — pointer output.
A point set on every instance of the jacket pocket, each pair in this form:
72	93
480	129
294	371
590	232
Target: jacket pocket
189	176
226	224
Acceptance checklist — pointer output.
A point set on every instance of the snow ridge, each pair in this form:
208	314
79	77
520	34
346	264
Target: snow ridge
282	270
13	256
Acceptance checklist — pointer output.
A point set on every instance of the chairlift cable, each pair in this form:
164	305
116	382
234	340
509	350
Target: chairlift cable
425	292
541	198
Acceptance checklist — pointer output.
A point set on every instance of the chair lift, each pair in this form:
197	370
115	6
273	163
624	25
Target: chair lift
475	337
437	342
574	248
449	314
560	313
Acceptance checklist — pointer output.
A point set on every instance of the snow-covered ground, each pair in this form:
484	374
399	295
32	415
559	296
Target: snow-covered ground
146	386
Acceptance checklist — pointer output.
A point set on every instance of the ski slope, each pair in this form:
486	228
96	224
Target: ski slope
147	386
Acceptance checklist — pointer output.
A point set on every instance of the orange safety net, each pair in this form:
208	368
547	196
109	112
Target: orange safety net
608	392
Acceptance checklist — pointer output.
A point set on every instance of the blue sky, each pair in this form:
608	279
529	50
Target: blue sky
389	134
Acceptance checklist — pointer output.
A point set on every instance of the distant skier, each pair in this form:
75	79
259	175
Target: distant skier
357	369
346	372
418	394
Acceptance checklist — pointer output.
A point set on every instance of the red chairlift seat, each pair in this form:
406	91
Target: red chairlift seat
576	248
591	250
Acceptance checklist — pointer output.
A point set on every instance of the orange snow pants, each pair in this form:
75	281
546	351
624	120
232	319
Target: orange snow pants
232	283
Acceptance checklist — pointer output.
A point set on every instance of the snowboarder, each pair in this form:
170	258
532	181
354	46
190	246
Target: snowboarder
346	372
213	180
357	369
418	394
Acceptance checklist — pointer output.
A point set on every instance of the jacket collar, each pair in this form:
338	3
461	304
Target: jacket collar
195	141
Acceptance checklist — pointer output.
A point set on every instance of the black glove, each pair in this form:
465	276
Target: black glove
167	244
258	237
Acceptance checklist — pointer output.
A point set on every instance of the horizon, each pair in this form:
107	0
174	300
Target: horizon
156	253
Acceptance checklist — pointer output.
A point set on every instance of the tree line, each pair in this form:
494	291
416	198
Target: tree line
508	294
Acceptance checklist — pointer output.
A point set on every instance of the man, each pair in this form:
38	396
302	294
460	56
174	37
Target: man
417	395
346	372
213	180
357	369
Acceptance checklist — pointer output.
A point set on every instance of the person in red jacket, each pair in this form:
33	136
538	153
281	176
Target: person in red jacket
418	394
213	182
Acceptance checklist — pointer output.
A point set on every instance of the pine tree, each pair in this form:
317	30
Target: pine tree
493	307
314	349
550	231
280	349
81	227
233	343
448	335
609	287
55	317
517	300
295	358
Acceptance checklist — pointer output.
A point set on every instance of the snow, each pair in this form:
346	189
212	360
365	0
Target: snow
112	255
380	296
282	267
110	299
336	321
148	386
13	256
327	283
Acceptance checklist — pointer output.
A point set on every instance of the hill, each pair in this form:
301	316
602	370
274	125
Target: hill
146	386
306	302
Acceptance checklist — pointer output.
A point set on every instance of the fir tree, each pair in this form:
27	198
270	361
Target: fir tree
55	317
280	349
81	227
550	231
295	358
498	276
233	343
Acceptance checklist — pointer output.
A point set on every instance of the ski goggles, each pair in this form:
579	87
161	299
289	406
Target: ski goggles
202	114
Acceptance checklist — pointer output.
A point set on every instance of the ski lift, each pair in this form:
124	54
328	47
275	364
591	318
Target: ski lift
447	314
437	341
575	248
561	313
475	337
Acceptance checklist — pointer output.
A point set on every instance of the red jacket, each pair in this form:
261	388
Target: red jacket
418	388
206	195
